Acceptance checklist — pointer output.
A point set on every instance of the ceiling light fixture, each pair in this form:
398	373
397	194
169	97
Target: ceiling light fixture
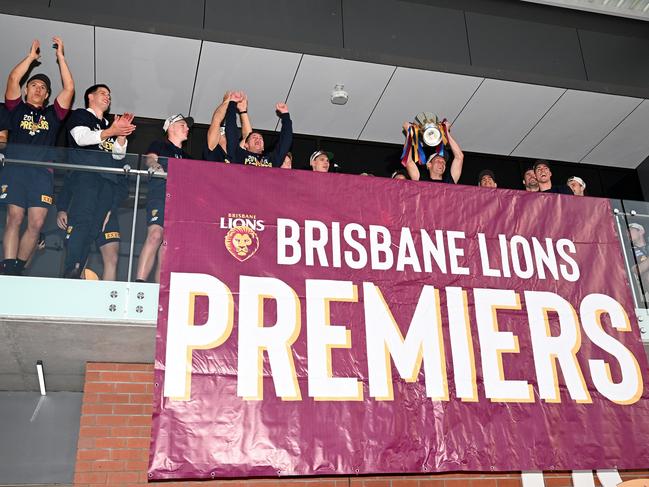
339	96
41	377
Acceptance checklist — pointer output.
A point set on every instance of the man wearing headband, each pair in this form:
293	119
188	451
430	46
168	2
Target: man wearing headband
29	190
177	129
577	185
253	152
319	161
544	177
436	164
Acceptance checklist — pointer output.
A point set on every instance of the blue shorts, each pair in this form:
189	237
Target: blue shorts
109	231
26	187
155	212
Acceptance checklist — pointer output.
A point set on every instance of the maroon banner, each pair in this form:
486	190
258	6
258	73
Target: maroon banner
324	324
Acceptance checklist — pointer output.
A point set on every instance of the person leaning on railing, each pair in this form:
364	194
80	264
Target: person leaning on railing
33	123
177	129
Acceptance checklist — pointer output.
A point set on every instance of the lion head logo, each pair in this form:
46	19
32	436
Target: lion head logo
242	242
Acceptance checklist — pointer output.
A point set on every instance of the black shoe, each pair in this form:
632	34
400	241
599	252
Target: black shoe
10	267
140	280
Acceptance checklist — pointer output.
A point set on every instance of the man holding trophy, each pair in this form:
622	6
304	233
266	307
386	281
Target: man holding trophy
428	131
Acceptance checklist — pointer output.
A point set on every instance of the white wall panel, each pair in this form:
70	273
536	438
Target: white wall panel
501	113
149	75
575	124
17	34
310	103
263	74
628	145
412	91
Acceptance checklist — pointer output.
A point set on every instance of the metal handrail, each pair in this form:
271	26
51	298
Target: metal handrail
126	169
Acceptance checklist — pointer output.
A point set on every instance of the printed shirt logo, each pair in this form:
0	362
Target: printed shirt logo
257	161
241	240
33	127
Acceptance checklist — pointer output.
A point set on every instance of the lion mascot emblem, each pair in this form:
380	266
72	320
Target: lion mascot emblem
242	242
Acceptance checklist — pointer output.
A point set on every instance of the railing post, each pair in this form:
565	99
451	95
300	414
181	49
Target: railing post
131	250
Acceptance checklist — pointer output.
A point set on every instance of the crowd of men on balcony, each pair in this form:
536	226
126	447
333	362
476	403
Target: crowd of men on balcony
88	202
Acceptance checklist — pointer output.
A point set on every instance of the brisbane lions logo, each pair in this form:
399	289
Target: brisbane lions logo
242	242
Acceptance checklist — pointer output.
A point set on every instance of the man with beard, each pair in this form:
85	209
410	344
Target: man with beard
529	181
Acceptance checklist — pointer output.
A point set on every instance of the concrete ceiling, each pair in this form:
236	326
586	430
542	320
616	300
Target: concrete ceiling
65	347
156	76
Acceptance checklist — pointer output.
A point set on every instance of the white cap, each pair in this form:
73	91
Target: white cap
177	118
318	153
578	179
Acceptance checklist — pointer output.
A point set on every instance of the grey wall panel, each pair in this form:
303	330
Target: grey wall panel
315	22
39	437
148	13
406	29
523	46
615	59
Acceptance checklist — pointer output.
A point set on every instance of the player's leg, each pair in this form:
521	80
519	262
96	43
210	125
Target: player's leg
108	244
81	218
149	250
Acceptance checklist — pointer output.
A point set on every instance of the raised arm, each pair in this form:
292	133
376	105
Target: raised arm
411	167
231	131
285	135
246	126
214	132
67	93
458	155
20	70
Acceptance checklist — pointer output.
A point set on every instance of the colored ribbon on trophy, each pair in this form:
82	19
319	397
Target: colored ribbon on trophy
414	147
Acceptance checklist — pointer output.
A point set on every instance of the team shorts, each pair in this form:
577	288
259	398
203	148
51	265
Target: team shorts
109	231
155	212
26	187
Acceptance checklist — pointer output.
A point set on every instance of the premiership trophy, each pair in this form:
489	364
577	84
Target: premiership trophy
430	128
426	129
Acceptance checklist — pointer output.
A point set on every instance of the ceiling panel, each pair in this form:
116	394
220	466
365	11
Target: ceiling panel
310	103
628	145
16	35
574	125
501	113
412	91
263	74
149	75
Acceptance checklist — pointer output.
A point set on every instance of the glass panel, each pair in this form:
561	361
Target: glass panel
75	171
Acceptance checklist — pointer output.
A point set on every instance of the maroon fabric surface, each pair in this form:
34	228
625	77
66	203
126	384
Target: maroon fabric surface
218	434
